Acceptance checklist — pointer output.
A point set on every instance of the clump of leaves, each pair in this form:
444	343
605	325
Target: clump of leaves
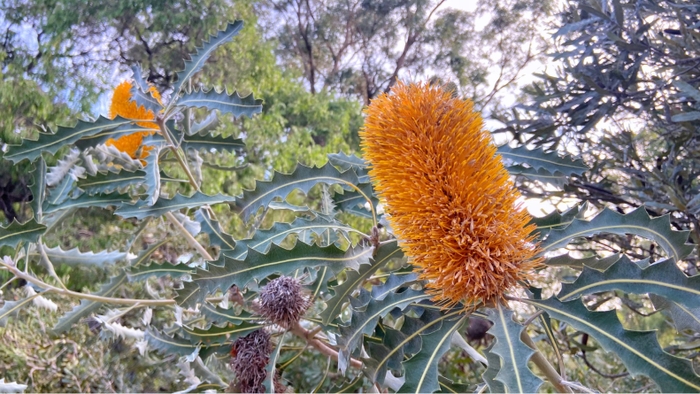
372	318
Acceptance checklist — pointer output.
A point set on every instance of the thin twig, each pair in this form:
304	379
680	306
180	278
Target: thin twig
190	239
544	365
319	345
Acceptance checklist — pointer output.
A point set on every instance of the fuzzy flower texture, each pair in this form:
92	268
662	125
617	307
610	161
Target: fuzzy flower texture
452	203
123	106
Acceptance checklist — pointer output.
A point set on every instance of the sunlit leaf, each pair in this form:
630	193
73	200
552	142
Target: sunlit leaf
232	104
539	159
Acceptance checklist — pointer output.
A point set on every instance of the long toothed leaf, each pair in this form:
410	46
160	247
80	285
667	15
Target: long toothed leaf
258	265
114	133
662	278
232	104
76	257
38	189
354	279
142	210
16	232
636	222
111	181
64	136
514	372
10	308
303	178
143	272
86	201
208	142
203	53
363	322
639	351
219	335
422	369
539	159
86	306
217	314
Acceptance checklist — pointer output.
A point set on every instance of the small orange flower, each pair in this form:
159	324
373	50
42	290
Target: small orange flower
124	107
451	200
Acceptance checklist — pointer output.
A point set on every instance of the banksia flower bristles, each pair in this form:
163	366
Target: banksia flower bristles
283	301
452	203
249	357
124	107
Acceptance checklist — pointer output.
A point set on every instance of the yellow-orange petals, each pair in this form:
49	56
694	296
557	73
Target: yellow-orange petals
451	201
124	107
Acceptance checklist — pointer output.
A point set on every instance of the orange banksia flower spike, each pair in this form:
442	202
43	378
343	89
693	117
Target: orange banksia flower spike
452	203
124	107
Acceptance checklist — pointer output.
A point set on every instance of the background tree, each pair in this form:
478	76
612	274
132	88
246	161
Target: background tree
623	94
360	48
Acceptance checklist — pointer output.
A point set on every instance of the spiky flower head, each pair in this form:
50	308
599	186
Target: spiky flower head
451	201
123	106
283	301
250	355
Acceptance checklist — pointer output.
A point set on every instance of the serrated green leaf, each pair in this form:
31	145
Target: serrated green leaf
263	239
422	369
140	93
86	201
143	272
232	104
494	367
138	78
353	201
363	322
142	210
448	386
61	192
346	162
258	265
114	133
152	176
168	344
558	220
38	189
202	54
539	159
64	136
662	278
354	279
111	181
303	178
205	126
76	257
593	262
514	372
217	314
636	222
86	306
144	256
219	335
639	351
216	235
683	318
353	386
208	142
271	368
538	174
17	232
10	308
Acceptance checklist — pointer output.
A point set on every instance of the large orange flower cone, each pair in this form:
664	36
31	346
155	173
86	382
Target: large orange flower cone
124	107
452	203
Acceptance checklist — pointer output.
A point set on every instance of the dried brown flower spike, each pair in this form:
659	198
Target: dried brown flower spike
283	302
249	357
